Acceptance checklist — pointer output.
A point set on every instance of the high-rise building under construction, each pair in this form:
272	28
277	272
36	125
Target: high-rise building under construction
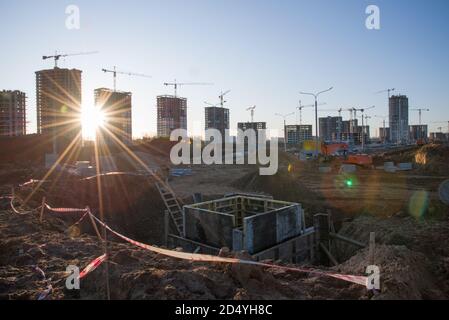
217	118
12	113
116	107
171	114
330	128
58	102
398	114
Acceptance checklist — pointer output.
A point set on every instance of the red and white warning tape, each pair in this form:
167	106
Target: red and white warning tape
93	265
11	203
361	280
32	181
65	210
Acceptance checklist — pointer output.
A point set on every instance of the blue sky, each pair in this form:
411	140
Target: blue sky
264	51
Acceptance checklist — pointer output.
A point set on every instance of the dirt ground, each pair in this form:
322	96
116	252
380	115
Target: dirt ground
403	209
138	274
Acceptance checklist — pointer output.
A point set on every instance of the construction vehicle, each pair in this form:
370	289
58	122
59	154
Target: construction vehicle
359	160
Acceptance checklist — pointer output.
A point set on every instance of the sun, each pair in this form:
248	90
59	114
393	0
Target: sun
92	118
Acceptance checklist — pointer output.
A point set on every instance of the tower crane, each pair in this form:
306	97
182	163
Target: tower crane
176	84
115	72
57	56
252	112
221	97
222	100
301	107
420	110
386	90
436	122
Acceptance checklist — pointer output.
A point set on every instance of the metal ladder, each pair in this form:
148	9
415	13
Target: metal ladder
172	205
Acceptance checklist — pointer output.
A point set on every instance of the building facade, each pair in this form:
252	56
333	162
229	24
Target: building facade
295	134
384	134
116	106
330	128
217	118
58	102
171	115
398	116
419	132
12	113
256	126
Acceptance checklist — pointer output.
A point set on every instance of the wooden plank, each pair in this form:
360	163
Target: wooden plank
328	254
372	246
41	216
348	240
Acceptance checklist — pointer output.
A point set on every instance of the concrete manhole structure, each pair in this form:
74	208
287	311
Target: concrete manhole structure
265	228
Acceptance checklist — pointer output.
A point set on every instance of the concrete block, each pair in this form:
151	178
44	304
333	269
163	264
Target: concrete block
325	169
390	169
406	166
50	160
388	165
348	168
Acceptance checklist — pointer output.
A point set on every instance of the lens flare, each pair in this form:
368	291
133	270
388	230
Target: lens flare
419	203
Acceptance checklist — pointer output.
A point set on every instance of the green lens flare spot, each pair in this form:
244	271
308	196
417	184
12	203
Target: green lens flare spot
64	109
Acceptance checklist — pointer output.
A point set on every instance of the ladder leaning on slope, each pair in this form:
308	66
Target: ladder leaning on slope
172	205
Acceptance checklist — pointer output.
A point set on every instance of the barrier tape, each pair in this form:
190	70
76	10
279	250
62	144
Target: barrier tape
17	211
360	280
49	289
65	210
93	265
115	174
32	181
44	294
81	219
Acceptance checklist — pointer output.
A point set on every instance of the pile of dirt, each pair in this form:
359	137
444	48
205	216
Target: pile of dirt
138	274
429	159
25	149
433	158
132	204
416	244
404	274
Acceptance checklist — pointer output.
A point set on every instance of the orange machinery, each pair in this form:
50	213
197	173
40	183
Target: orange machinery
359	159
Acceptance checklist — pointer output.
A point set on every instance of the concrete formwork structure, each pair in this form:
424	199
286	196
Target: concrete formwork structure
243	223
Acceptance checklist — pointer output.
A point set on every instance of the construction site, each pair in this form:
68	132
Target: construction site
259	163
301	219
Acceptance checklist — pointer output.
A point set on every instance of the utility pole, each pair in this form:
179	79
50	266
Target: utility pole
285	116
384	135
388	93
316	95
363	125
